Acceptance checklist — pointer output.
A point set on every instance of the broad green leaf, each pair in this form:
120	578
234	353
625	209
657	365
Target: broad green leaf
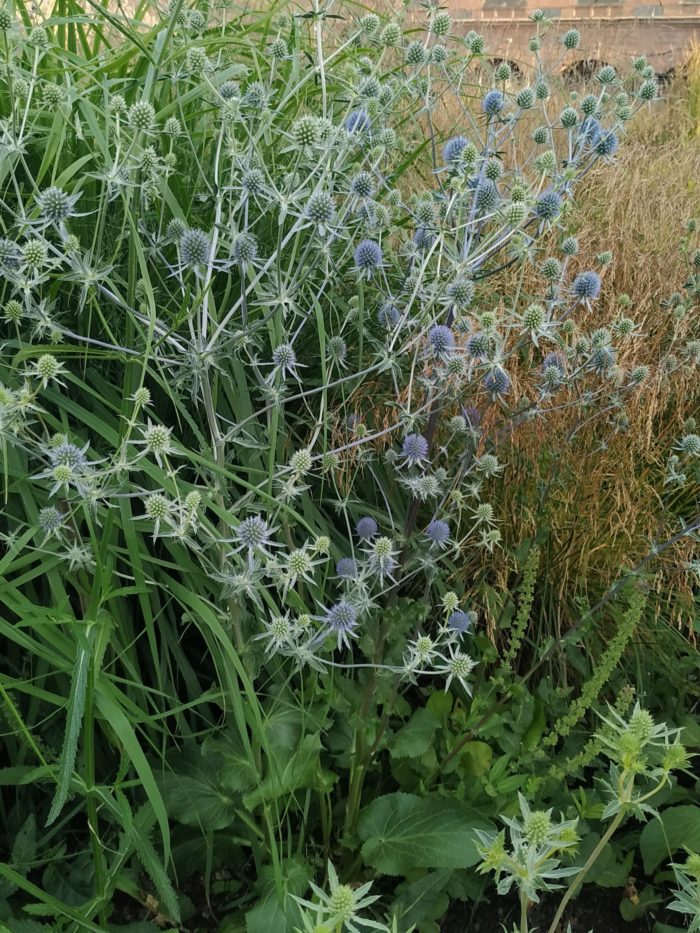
416	736
288	773
674	828
193	796
402	832
423	900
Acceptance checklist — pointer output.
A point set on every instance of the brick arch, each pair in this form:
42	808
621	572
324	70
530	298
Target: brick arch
514	66
582	70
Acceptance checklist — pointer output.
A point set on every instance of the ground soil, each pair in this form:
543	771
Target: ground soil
596	909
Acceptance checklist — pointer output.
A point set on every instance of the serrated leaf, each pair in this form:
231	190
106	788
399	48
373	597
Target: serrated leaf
416	736
402	832
74	722
24	845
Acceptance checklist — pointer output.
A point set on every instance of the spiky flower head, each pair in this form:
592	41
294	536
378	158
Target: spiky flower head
479	345
497	382
175	229
305	130
690	444
47	368
414	449
534	316
362	185
548	206
586	286
13	311
493	102
366	528
391	34
341	619
346	568
253	533
194	247
461	622
6	19
157	507
442	340
39	37
607	144
503	72
438	533
537	827
649	90
453	149
458	667
571	39
55	205
34	253
278	48
525	98
245	248
551	269
50	520
486	197
569	246
156	438
475	43
301	461
284	358
358	121
441	23
9	253
461	291
142	116
370	23
368	256
606	75
568	117
415	53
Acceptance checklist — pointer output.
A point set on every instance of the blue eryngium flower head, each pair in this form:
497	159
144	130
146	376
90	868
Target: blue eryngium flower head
358	121
368	256
486	196
341	620
346	568
586	286
453	149
548	205
473	416
493	102
461	621
366	528
590	130
438	533
388	315
555	360
414	449
442	340
606	144
497	382
253	533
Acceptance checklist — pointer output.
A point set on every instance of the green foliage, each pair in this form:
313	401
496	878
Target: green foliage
246	305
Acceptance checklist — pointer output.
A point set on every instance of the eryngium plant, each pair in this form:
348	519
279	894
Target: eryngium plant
256	387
